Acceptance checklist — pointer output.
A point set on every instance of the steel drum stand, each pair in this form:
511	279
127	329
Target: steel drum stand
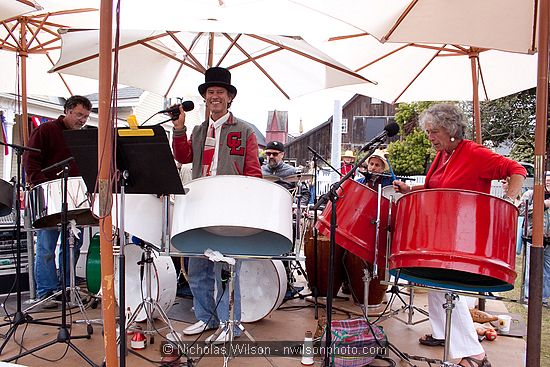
149	304
333	197
72	289
64	335
147	155
231	324
19	317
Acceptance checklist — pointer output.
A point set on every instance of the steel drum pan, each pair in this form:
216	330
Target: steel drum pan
45	202
356	211
6	198
455	239
235	215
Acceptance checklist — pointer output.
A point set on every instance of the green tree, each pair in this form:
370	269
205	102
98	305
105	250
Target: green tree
412	155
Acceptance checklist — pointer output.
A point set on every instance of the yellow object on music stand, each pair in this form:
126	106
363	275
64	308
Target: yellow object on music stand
134	129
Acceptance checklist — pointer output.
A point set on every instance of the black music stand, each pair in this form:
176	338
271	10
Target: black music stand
147	166
19	317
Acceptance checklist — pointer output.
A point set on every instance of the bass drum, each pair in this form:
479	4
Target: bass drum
93	266
163	281
455	239
263	287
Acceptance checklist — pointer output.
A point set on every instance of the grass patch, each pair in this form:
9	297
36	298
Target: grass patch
522	310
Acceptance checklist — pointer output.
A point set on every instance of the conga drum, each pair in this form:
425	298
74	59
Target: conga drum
455	239
354	269
318	276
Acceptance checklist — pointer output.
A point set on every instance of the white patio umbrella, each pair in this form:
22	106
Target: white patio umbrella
407	72
173	63
29	44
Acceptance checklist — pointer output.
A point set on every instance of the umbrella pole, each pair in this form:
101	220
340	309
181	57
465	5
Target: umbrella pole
475	97
534	316
105	147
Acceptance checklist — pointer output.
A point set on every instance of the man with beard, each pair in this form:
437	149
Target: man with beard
275	152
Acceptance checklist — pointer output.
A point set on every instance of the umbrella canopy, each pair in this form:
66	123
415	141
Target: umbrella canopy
28	47
429	72
174	62
506	25
12	8
407	72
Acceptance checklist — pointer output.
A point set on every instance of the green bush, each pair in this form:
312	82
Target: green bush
412	155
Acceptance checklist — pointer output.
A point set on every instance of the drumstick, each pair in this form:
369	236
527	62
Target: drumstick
391	170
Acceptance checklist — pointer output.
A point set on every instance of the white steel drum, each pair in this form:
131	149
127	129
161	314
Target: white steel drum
45	202
263	287
236	215
163	281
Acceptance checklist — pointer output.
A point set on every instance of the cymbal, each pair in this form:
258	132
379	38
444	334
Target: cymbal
271	178
298	177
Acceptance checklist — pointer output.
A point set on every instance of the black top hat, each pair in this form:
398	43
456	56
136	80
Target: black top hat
217	77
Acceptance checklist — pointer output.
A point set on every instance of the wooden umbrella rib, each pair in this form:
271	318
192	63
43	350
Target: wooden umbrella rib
257	57
263	71
349	36
417	75
35	32
170	56
402	17
198	66
481	78
381	57
11	35
303	54
231	45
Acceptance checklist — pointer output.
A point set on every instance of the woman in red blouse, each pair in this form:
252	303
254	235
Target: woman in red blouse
459	164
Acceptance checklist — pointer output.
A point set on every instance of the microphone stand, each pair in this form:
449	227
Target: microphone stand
332	195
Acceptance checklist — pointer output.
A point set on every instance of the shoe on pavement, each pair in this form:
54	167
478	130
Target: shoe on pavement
221	339
49	304
197	328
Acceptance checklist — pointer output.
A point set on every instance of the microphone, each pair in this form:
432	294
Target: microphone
389	131
175	110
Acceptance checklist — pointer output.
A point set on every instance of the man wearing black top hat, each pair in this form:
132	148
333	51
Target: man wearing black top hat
221	145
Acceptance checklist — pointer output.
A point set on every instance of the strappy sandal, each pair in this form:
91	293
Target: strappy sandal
430	341
473	362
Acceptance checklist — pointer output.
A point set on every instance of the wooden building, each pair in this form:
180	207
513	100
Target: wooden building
362	119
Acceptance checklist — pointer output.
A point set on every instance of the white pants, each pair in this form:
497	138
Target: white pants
464	342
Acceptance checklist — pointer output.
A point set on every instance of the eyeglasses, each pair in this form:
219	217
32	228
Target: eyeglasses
272	153
80	116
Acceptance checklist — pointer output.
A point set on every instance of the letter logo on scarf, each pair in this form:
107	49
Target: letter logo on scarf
234	142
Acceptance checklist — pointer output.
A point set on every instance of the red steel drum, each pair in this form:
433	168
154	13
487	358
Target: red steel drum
456	239
356	212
